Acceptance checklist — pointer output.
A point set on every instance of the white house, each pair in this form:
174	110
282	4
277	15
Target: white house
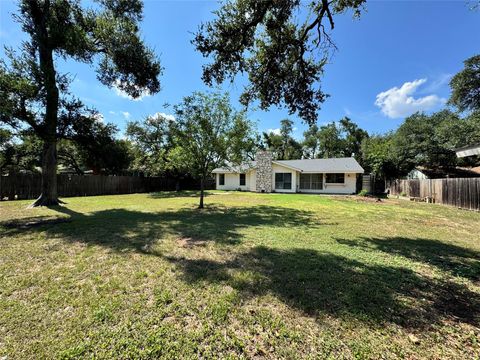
327	176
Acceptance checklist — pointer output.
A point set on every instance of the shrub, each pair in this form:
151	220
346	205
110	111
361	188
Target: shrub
363	192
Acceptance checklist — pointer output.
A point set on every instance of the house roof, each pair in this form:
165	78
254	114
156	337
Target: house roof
448	172
229	168
468	150
333	165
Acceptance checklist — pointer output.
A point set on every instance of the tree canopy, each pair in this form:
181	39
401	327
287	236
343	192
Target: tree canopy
152	141
282	144
282	46
466	86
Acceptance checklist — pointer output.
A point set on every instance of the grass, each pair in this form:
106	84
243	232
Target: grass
252	275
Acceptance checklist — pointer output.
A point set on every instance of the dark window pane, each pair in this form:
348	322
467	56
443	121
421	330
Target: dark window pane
242	179
283	180
221	179
317	181
335	178
305	181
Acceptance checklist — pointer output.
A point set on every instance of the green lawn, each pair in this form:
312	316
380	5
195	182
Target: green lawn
252	275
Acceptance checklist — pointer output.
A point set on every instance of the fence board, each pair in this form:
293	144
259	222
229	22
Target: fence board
23	186
460	192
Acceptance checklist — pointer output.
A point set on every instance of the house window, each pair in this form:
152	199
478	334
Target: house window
221	179
335	178
242	180
311	181
283	181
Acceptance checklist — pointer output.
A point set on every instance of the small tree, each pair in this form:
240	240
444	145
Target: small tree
34	94
378	156
210	133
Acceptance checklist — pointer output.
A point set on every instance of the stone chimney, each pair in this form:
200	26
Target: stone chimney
264	171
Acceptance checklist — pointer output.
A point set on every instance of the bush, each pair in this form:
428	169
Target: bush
363	192
403	193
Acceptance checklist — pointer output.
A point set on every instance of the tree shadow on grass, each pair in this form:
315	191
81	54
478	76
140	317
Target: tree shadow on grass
323	283
313	282
176	194
456	260
121	229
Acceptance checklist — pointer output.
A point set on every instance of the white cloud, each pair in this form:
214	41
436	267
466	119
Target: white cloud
166	116
143	93
112	112
399	102
273	131
126	114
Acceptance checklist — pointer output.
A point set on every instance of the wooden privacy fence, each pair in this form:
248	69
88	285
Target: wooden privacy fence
28	186
462	192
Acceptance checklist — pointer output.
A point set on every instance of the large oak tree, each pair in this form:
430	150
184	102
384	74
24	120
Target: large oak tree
32	91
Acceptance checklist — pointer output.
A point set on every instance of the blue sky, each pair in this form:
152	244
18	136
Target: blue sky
396	59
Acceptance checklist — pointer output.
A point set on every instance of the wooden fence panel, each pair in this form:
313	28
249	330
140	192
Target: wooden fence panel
29	186
459	192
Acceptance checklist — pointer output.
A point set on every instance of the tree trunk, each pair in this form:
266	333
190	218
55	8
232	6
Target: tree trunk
49	130
202	187
49	195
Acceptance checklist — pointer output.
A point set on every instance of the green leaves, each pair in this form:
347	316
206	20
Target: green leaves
210	133
283	146
466	86
282	51
153	140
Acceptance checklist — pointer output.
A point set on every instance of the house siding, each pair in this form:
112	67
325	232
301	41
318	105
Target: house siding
252	180
348	187
232	182
282	169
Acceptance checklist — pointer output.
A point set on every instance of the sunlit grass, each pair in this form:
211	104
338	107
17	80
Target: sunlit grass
266	275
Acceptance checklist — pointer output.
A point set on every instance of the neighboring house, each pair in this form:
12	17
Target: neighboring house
470	150
422	173
329	176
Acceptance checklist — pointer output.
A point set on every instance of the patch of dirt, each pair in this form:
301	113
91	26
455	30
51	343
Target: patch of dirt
32	223
188	242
